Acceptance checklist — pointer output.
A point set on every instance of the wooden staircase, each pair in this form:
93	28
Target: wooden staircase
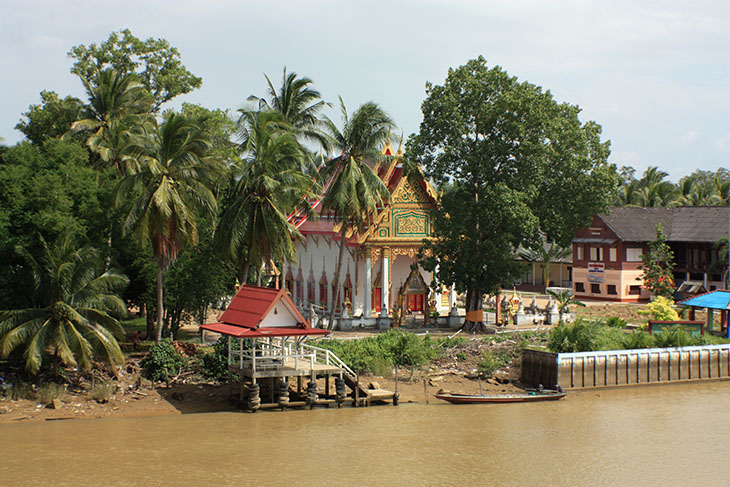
359	390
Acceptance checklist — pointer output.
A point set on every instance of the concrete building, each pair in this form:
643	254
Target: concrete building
607	254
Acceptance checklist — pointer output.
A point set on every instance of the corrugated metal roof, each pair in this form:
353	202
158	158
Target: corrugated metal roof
682	224
715	300
606	241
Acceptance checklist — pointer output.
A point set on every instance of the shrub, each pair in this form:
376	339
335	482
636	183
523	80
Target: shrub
492	361
578	337
398	347
19	390
214	366
637	339
102	392
163	361
661	309
673	337
615	322
382	367
460	356
50	391
608	338
488	365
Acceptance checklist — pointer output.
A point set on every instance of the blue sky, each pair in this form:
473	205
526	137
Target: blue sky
654	74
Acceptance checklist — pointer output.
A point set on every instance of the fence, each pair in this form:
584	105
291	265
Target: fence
625	367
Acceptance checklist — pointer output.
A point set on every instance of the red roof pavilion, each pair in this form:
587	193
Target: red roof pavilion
257	312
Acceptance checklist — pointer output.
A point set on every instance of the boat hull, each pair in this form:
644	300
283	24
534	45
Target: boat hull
501	398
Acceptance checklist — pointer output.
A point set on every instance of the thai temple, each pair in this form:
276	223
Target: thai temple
380	275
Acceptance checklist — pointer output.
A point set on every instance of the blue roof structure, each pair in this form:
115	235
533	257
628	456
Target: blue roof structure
719	299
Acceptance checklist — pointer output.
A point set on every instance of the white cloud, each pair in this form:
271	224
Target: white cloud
649	73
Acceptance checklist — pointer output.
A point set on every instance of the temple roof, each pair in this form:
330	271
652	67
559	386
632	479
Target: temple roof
390	172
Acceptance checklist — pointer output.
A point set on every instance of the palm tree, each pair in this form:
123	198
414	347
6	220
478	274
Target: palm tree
118	105
355	191
546	255
271	181
565	300
173	182
299	104
73	320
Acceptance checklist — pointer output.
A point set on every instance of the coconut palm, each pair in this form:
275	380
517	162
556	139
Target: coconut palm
547	255
118	105
271	181
355	191
564	300
172	185
299	104
73	321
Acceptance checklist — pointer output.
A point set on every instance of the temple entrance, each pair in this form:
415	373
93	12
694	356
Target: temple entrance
377	294
413	299
415	302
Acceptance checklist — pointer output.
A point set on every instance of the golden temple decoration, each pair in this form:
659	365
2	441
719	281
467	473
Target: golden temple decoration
409	251
411	225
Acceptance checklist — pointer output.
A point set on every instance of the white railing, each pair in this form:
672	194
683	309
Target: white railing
327	357
268	354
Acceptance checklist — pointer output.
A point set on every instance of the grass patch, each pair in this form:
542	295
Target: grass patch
50	391
400	348
19	390
102	392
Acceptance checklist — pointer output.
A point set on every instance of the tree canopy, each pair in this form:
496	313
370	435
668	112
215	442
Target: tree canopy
154	61
516	165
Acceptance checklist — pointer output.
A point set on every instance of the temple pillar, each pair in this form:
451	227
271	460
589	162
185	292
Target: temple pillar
384	286
368	311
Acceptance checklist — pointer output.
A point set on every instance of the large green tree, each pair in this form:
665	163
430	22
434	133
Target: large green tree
51	118
355	191
169	191
47	190
155	62
73	319
520	165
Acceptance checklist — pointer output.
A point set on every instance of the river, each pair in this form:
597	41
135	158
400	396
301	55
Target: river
654	435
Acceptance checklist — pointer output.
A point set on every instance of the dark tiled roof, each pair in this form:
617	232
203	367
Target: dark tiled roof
683	224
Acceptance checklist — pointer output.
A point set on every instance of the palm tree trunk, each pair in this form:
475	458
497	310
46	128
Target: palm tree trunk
336	282
159	304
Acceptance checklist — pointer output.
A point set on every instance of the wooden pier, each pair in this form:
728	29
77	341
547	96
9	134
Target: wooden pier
266	348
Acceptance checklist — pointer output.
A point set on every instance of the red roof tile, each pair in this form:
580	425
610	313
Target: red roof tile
239	332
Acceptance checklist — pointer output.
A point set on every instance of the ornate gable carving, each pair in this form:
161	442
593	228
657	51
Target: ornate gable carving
408	192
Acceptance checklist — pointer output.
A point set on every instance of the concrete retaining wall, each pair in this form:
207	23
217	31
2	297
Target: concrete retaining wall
625	367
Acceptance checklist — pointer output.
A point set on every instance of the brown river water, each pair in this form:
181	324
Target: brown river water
661	435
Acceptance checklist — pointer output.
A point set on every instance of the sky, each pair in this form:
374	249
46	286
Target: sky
654	74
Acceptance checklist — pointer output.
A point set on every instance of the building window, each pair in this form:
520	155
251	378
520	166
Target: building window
634	254
611	289
580	287
635	290
596	254
579	252
595	288
612	254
